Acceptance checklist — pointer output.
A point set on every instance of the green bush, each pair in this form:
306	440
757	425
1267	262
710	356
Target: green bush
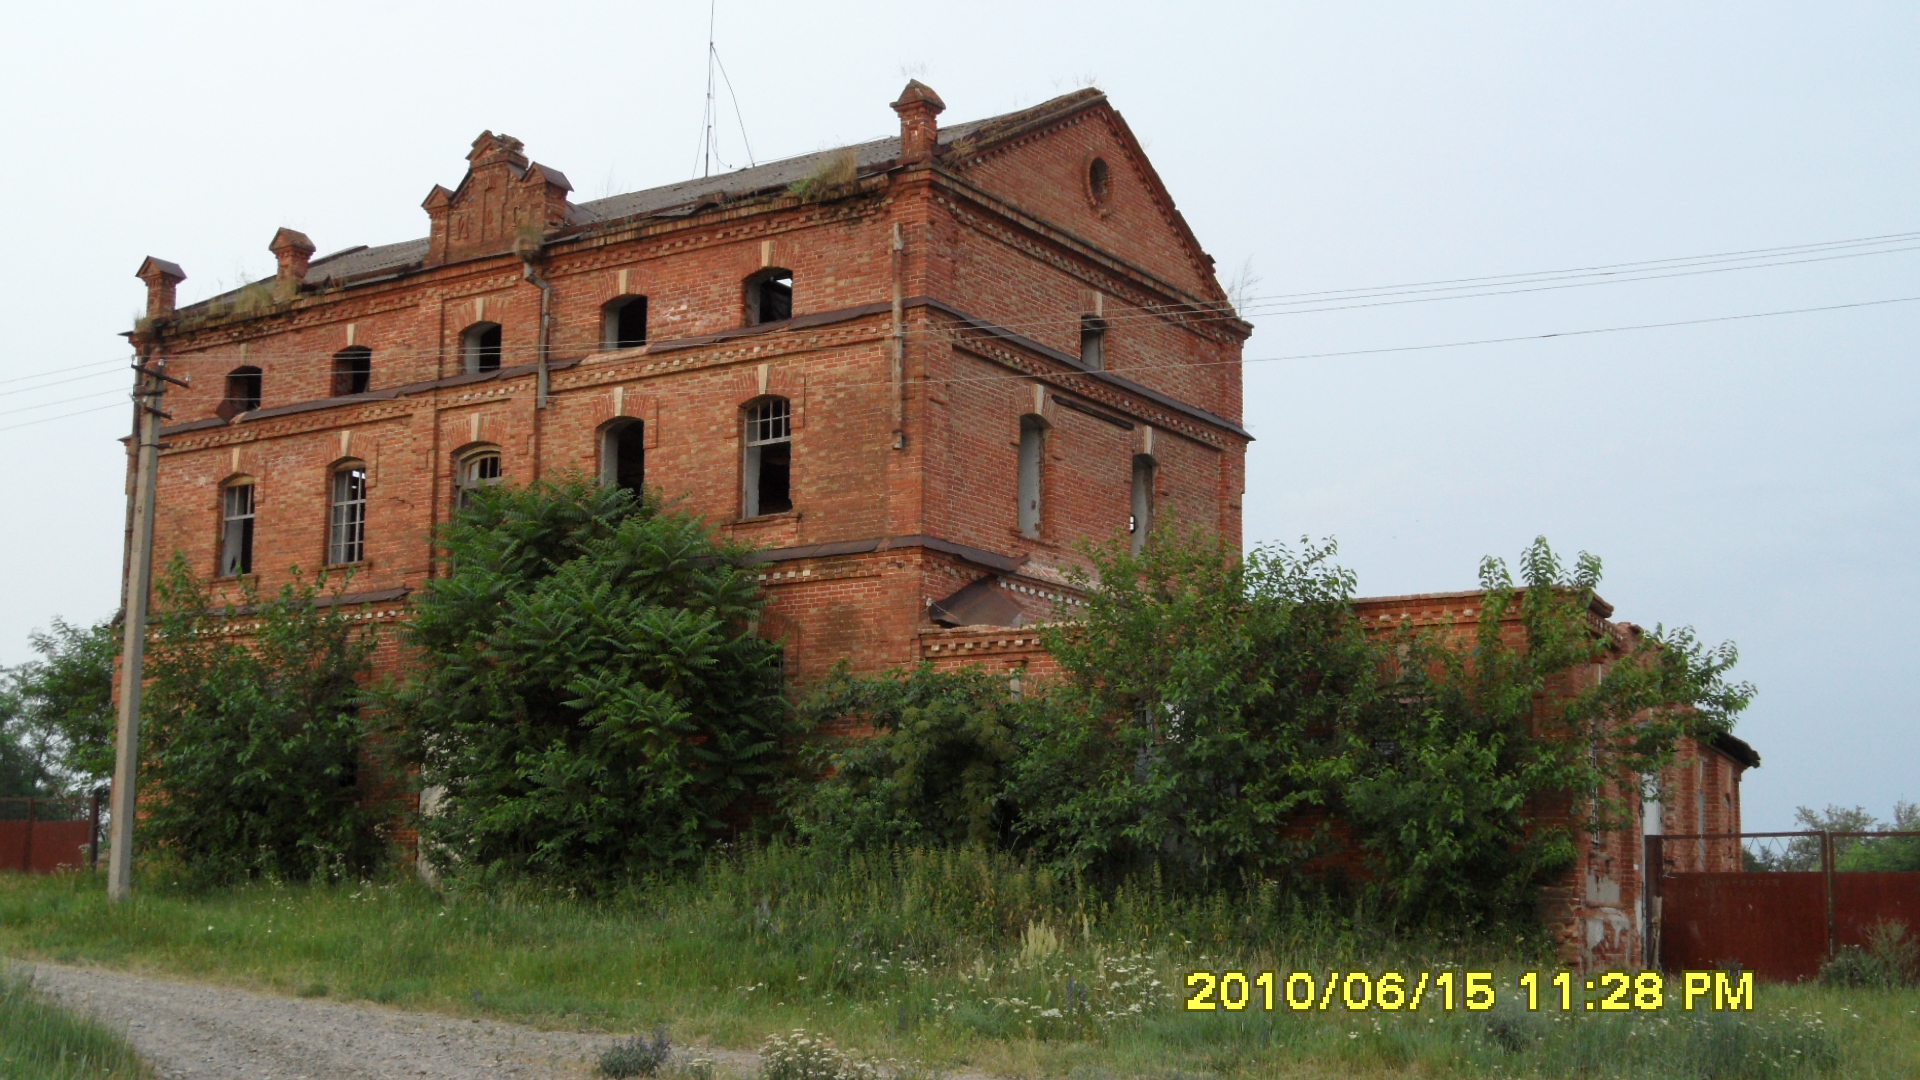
1889	960
589	699
252	743
638	1056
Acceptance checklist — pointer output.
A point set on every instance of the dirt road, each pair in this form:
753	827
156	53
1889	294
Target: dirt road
192	1031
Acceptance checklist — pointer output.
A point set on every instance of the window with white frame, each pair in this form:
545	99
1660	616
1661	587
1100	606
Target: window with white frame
768	476
236	530
347	517
481	470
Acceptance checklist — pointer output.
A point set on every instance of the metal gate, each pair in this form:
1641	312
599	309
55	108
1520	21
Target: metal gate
1777	923
41	836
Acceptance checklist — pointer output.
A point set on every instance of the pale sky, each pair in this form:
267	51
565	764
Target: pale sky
1757	479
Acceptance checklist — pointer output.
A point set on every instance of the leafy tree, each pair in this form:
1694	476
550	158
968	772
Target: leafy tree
1486	758
590	698
23	768
1203	724
252	743
1802	853
917	758
62	705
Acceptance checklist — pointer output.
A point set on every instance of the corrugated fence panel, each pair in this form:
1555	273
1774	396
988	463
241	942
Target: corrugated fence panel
1774	925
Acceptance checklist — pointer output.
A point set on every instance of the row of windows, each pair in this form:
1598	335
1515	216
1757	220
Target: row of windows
766	484
769	298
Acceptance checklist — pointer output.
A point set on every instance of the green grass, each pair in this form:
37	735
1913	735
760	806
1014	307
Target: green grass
951	960
41	1041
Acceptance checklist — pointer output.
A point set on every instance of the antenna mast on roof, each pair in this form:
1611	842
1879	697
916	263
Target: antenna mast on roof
709	117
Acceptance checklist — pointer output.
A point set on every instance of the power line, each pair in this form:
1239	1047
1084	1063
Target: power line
119	391
62	416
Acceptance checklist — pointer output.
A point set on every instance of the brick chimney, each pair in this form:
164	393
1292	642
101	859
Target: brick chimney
161	276
919	131
292	250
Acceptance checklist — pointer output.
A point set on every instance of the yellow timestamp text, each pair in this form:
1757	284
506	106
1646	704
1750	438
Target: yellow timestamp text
1472	991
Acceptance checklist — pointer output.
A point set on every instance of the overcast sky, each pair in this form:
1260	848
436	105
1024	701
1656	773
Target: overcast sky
1756	479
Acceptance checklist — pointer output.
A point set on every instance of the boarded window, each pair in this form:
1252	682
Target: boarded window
623	455
477	471
1093	342
243	391
1140	521
347	521
624	323
352	371
1033	442
768	474
480	344
769	296
236	530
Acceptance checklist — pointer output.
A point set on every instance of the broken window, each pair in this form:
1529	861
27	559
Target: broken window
243	391
625	323
481	470
769	296
623	455
1033	442
1140	521
1099	183
352	371
1093	339
347	523
236	530
769	465
480	345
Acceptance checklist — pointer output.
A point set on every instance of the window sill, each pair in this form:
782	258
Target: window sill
769	519
348	567
219	579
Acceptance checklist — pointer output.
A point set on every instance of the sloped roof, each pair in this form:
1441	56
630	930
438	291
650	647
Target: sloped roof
689	196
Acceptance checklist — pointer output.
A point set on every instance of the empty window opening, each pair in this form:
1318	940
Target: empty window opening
480	344
1093	342
243	391
1099	183
1140	521
626	323
352	371
1033	442
347	524
623	455
769	465
769	296
476	471
236	530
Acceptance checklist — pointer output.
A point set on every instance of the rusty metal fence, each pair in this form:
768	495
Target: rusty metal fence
1776	904
42	836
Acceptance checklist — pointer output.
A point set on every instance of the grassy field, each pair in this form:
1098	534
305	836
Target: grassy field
953	961
40	1041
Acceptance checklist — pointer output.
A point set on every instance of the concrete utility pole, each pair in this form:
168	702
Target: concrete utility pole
147	396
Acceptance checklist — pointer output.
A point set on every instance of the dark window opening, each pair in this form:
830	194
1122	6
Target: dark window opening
1033	441
243	391
352	371
480	344
1093	342
1140	521
769	465
476	471
236	530
623	456
626	323
347	524
1099	182
769	297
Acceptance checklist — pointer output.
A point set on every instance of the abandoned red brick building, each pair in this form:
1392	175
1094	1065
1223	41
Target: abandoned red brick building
915	372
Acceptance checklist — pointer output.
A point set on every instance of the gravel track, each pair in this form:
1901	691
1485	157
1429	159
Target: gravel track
194	1031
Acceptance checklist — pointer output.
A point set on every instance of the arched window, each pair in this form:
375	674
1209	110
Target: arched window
477	470
769	465
1140	521
1033	445
243	391
352	371
623	455
1099	184
347	518
236	529
480	346
1093	342
624	323
769	296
